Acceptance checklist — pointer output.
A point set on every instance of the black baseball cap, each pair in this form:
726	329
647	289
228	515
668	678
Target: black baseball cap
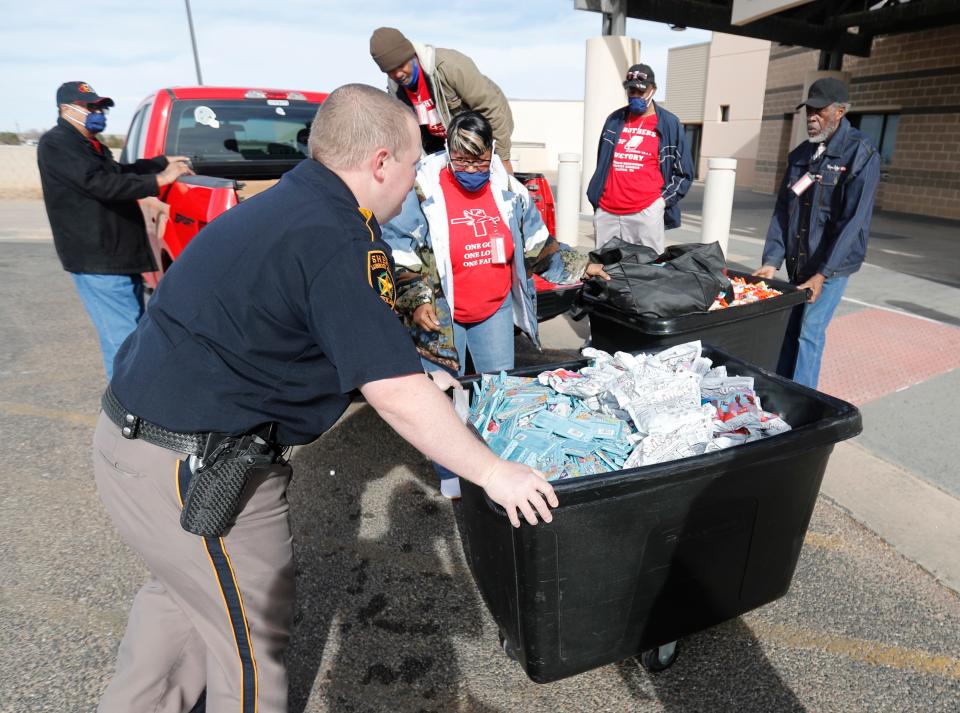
639	76
825	92
80	93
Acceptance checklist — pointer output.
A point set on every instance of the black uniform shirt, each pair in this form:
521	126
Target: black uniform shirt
275	311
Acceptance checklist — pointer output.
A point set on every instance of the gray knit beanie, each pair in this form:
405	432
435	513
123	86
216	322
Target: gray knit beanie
389	48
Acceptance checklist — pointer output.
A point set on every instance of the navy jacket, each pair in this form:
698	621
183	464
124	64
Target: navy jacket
92	205
676	164
842	205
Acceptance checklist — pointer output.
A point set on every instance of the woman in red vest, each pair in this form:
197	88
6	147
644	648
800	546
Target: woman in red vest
459	245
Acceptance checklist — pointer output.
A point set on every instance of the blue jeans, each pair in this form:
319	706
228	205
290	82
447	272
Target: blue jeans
807	334
115	305
490	344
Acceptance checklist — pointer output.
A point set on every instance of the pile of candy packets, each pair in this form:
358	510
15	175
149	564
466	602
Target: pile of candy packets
621	411
744	293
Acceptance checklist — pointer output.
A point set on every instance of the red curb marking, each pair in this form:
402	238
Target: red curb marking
873	352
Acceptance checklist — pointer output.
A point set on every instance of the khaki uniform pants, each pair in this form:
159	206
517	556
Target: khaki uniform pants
643	228
215	613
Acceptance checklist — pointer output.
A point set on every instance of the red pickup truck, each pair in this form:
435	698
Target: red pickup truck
240	141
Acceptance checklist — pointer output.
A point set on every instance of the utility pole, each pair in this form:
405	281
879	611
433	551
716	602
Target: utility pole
193	41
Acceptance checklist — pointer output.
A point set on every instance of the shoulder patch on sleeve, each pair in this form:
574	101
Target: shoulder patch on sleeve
380	276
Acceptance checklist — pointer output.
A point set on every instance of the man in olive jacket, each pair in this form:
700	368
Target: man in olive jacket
439	83
97	226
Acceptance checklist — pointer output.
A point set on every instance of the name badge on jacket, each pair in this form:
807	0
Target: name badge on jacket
802	184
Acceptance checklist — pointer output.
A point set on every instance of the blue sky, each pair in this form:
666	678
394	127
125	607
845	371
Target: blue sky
534	49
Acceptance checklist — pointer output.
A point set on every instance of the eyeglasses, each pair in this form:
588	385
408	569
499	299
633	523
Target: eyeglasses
637	75
470	163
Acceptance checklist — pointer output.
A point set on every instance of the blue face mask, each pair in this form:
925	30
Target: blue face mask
416	74
472	182
95	122
638	105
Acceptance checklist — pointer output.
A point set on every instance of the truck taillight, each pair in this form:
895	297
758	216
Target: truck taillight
296	96
255	94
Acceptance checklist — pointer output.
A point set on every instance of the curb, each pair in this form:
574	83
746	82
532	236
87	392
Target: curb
917	519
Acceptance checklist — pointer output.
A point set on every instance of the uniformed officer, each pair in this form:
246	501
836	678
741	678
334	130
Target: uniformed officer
274	314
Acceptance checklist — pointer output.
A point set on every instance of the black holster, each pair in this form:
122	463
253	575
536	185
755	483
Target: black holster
216	487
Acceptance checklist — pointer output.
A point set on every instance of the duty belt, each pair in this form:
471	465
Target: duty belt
132	426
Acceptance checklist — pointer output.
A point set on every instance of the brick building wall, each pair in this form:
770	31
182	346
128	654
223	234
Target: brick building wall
785	72
914	75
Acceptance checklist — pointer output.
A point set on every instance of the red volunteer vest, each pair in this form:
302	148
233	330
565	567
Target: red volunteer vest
479	285
425	109
634	181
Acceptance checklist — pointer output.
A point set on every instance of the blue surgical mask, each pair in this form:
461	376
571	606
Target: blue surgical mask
95	122
472	182
416	74
638	105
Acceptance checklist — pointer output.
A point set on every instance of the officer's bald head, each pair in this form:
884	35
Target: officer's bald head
372	142
355	121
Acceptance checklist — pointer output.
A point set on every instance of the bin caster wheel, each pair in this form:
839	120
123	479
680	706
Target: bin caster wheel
659	659
507	647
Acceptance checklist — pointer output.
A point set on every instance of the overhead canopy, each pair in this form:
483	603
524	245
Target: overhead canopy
845	26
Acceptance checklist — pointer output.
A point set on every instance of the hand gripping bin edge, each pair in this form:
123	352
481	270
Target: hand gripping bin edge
752	332
635	559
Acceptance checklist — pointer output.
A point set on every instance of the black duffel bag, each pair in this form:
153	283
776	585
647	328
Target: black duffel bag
684	278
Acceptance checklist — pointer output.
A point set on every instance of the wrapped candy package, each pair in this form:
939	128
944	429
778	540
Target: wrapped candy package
743	293
622	411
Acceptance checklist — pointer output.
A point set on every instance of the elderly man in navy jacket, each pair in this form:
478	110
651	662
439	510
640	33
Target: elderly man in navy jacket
821	222
643	170
91	202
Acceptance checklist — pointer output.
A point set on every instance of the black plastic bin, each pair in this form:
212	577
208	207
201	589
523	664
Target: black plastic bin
553	303
753	332
636	559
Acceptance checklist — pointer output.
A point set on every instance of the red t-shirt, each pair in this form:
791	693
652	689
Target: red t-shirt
634	181
425	109
479	285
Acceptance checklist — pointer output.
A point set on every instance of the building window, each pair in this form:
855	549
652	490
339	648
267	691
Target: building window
724	112
882	130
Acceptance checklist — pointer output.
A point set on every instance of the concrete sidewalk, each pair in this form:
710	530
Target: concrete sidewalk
901	477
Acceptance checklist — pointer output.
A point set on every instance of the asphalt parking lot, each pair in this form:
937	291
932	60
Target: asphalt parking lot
388	617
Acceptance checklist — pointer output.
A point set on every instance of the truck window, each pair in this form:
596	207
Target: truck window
130	151
240	138
142	138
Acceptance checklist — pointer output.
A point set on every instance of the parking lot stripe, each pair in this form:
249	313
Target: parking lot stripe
824	542
874	653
